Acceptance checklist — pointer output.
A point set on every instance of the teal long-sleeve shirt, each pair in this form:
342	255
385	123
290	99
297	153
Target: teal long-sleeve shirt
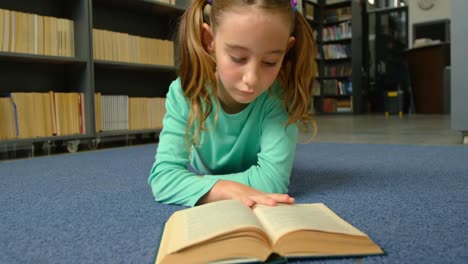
253	147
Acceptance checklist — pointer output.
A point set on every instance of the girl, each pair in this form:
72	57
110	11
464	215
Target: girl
230	129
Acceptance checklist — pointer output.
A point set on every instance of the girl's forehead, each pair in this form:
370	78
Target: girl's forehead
255	29
253	18
254	13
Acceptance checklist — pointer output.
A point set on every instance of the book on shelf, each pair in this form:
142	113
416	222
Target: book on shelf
316	88
338	70
9	118
335	87
169	2
22	32
334	105
342	31
309	11
124	47
337	51
5	43
31	115
229	231
338	14
344	106
122	112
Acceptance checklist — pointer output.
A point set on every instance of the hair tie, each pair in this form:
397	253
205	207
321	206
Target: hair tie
293	3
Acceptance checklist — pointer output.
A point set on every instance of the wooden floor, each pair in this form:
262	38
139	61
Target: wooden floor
376	128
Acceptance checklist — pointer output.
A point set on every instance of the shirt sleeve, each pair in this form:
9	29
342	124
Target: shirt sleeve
278	142
170	180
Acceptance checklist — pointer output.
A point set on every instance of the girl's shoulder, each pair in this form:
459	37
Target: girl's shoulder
175	89
176	92
175	97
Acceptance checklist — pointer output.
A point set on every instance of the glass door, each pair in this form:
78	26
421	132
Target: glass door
387	26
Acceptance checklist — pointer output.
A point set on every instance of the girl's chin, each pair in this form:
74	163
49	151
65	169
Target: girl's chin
244	100
245	97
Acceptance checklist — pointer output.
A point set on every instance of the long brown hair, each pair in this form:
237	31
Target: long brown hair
197	67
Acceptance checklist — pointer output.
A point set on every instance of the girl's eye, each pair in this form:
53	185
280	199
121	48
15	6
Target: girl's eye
237	60
270	64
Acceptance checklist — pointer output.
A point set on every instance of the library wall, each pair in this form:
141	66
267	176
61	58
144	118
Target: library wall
441	10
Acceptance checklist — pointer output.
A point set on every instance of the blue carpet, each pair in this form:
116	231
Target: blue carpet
96	207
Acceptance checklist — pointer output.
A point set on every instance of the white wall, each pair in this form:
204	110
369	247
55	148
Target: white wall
441	10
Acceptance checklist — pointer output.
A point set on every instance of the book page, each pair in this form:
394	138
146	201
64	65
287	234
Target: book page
197	224
282	219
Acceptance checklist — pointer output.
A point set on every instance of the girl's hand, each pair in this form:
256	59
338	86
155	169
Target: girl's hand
230	190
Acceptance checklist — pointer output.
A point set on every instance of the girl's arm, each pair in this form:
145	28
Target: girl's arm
170	179
231	190
270	176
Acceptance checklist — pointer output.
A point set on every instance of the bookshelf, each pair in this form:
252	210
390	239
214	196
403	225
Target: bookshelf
337	26
73	65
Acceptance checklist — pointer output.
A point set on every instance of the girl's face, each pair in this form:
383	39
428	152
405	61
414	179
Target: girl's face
249	46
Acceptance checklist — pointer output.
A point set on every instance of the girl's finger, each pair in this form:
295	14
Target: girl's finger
265	199
248	202
282	198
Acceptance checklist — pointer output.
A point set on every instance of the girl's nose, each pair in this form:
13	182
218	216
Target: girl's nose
251	75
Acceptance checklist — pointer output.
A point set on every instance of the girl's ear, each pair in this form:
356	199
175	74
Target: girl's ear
291	42
207	38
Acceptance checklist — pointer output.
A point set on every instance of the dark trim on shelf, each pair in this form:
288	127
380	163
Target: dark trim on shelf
5	142
333	41
339	4
312	2
335	77
133	66
334	113
330	23
35	58
127	132
385	9
335	59
153	6
337	95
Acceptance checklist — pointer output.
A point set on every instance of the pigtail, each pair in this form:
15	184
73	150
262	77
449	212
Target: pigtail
196	70
298	72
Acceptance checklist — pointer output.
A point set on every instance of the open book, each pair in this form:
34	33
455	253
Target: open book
229	231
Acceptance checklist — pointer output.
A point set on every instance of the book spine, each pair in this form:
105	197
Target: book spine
15	112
